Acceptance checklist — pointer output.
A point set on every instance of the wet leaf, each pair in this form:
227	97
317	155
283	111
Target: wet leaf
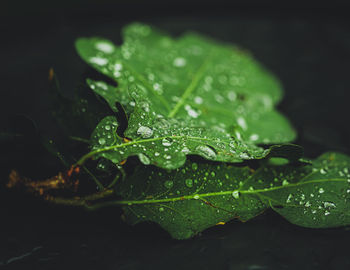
197	196
189	95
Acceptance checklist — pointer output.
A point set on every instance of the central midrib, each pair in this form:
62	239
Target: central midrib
92	153
222	193
194	83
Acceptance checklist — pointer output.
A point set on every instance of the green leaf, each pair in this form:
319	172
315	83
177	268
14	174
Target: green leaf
197	196
156	146
189	95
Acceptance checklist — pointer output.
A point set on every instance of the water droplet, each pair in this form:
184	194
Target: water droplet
179	62
329	205
167	142
212	174
242	123
235	194
185	150
158	88
196	197
144	159
254	137
101	141
194	166
118	67
243	155
104	47
285	182
231	95
168	184
98	61
219	98
161	209
102	85
189	183
206	151
156	154
107	127
191	112
145	132
208	79
323	171
321	190
267	101
198	100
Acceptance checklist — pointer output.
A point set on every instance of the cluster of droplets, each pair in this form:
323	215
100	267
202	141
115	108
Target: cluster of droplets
222	82
105	133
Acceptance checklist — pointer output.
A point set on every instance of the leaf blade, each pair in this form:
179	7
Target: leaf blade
190	83
222	193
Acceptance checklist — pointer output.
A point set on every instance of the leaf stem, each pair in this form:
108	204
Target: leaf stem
116	178
81	201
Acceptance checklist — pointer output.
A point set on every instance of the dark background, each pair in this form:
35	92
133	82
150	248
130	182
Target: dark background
307	48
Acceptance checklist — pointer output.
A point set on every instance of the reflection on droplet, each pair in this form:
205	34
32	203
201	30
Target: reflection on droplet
242	123
179	62
254	137
118	67
102	85
189	183
145	132
206	151
101	141
323	171
144	159
158	88
104	47
231	95
167	142
98	61
168	184
198	100
191	112
235	194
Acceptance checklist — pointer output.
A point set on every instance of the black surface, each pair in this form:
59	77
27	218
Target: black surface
308	49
